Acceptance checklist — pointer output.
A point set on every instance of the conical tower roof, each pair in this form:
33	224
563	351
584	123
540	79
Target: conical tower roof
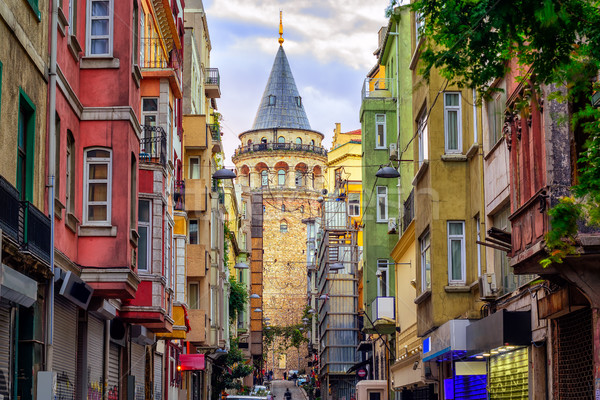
281	105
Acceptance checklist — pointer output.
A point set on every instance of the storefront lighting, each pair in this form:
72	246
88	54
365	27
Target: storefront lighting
479	356
494	352
486	354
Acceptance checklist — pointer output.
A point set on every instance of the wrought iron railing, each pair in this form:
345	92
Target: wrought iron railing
215	131
179	196
153	54
377	88
213	77
281	146
409	210
153	145
221	195
9	212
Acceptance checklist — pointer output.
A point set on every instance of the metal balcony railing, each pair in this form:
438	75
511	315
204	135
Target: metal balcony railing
179	196
409	210
153	145
215	131
24	223
153	54
377	88
309	148
213	77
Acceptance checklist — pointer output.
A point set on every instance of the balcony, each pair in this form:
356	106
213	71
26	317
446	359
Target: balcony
179	196
409	210
161	59
308	148
197	195
196	134
28	227
215	134
198	321
377	88
196	261
383	314
212	83
153	145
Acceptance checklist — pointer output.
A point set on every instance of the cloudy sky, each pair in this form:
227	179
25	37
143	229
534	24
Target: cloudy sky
329	44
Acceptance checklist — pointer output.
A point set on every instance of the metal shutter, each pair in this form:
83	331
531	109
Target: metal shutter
138	368
113	370
95	349
509	375
65	347
158	377
5	349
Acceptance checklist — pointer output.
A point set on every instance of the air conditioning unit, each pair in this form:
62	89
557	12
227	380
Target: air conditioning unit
393	151
487	286
392	225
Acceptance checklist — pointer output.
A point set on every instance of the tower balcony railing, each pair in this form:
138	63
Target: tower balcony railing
179	195
377	88
212	83
153	54
215	131
409	210
153	145
271	146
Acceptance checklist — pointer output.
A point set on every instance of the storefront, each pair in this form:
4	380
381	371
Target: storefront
500	340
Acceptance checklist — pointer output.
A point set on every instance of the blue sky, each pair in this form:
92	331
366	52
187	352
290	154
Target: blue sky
329	45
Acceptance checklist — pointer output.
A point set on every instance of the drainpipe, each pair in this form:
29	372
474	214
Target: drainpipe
482	215
106	357
399	184
51	174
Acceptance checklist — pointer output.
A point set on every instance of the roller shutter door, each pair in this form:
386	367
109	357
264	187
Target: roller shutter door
138	369
158	385
65	347
5	349
113	370
95	358
509	375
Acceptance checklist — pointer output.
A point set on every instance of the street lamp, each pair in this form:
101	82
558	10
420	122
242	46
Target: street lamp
241	265
387	172
224	173
254	296
257	309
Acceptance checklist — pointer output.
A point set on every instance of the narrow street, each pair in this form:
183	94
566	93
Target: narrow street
278	389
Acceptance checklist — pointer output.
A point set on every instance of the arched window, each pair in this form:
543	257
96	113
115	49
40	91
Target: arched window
264	178
298	140
283	208
283	227
280	139
312	142
263	140
249	142
299	180
281	177
302	209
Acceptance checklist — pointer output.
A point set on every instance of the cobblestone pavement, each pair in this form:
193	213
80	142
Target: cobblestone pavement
279	386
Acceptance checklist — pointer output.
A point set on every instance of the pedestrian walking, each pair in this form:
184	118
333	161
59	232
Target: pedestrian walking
287	395
284	375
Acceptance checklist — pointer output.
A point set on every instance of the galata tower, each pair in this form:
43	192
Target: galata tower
282	158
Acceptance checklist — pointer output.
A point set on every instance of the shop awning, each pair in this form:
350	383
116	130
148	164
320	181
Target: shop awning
503	328
449	337
192	362
15	286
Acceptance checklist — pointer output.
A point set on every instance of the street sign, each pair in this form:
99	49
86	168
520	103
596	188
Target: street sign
361	373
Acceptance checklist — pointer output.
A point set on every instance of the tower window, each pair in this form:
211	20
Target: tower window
298	140
283	227
280	139
299	101
271	100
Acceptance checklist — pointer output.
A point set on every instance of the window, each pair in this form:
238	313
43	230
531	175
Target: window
143	38
263	140
299	179
380	131
133	191
149	111
97	187
136	33
271	100
70	177
280	139
495	113
264	178
456	252
57	157
423	137
168	257
425	244
194	168
145	235
281	177
298	140
382	277
193	232
283	208
25	147
193	296
100	20
354	204
301	209
73	17
478	230
312	142
382	204
452	123
419	23
283	227
299	101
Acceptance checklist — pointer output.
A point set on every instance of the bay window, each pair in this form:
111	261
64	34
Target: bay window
97	187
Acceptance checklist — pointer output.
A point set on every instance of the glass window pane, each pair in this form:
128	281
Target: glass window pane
381	208
452	99
452	126
281	139
380	135
455	228
97	192
98	171
100	8
99	27
193	232
99	46
143	247
98	154
194	168
150	104
144	211
456	259
97	213
380	118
